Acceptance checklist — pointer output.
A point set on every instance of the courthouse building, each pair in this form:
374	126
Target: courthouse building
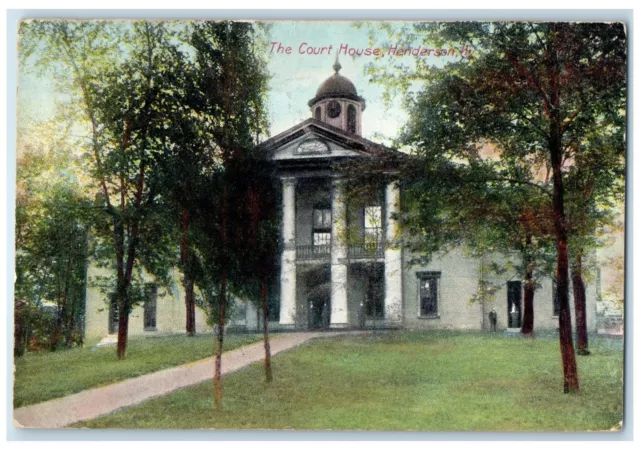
363	282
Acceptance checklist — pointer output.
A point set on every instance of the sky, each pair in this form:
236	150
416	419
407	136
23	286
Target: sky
295	79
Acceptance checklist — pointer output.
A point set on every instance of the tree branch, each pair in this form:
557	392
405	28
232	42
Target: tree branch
531	81
535	125
514	181
567	124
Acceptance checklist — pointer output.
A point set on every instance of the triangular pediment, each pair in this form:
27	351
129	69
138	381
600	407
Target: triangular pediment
313	145
313	139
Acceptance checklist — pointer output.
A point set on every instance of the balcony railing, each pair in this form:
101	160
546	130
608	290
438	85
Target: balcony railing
368	250
313	252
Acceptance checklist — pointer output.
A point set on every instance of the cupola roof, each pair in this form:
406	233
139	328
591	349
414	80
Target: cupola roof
336	86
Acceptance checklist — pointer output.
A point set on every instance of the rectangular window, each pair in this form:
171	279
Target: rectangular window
428	286
150	310
321	231
372	226
351	119
113	315
556	303
322	219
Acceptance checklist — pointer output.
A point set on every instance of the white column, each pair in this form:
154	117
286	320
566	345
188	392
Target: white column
392	258
288	267
339	249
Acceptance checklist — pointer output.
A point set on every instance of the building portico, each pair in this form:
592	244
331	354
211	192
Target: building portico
339	267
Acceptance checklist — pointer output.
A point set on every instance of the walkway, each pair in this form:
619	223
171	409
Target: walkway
96	402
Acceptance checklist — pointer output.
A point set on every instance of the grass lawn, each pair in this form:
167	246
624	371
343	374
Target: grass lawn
402	381
43	376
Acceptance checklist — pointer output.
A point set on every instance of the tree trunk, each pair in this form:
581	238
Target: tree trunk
217	376
57	331
265	328
569	366
580	303
528	315
71	324
124	303
529	291
189	298
118	237
123	327
124	281
254	209
19	339
190	303
123	323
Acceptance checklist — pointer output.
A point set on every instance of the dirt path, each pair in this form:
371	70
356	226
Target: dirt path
96	402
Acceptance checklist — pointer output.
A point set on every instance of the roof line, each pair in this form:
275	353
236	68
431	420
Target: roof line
330	128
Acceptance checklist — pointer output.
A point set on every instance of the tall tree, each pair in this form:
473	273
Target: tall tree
552	84
52	220
189	153
462	191
261	247
231	92
120	81
595	186
133	104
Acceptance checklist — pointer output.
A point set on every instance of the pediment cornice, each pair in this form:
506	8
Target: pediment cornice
312	127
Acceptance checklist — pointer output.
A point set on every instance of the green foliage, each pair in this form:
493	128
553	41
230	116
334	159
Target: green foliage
486	292
169	106
257	245
480	128
113	72
52	221
228	90
132	108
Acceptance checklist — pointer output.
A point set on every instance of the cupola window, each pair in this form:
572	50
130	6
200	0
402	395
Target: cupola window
333	109
351	119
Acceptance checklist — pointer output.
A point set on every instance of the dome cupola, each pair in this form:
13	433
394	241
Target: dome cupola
337	103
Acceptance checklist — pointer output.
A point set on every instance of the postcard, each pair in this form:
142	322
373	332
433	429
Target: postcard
314	225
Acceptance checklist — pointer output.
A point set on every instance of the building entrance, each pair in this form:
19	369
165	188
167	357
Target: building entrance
514	303
320	310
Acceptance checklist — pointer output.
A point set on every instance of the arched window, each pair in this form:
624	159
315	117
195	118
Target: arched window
351	119
318	113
